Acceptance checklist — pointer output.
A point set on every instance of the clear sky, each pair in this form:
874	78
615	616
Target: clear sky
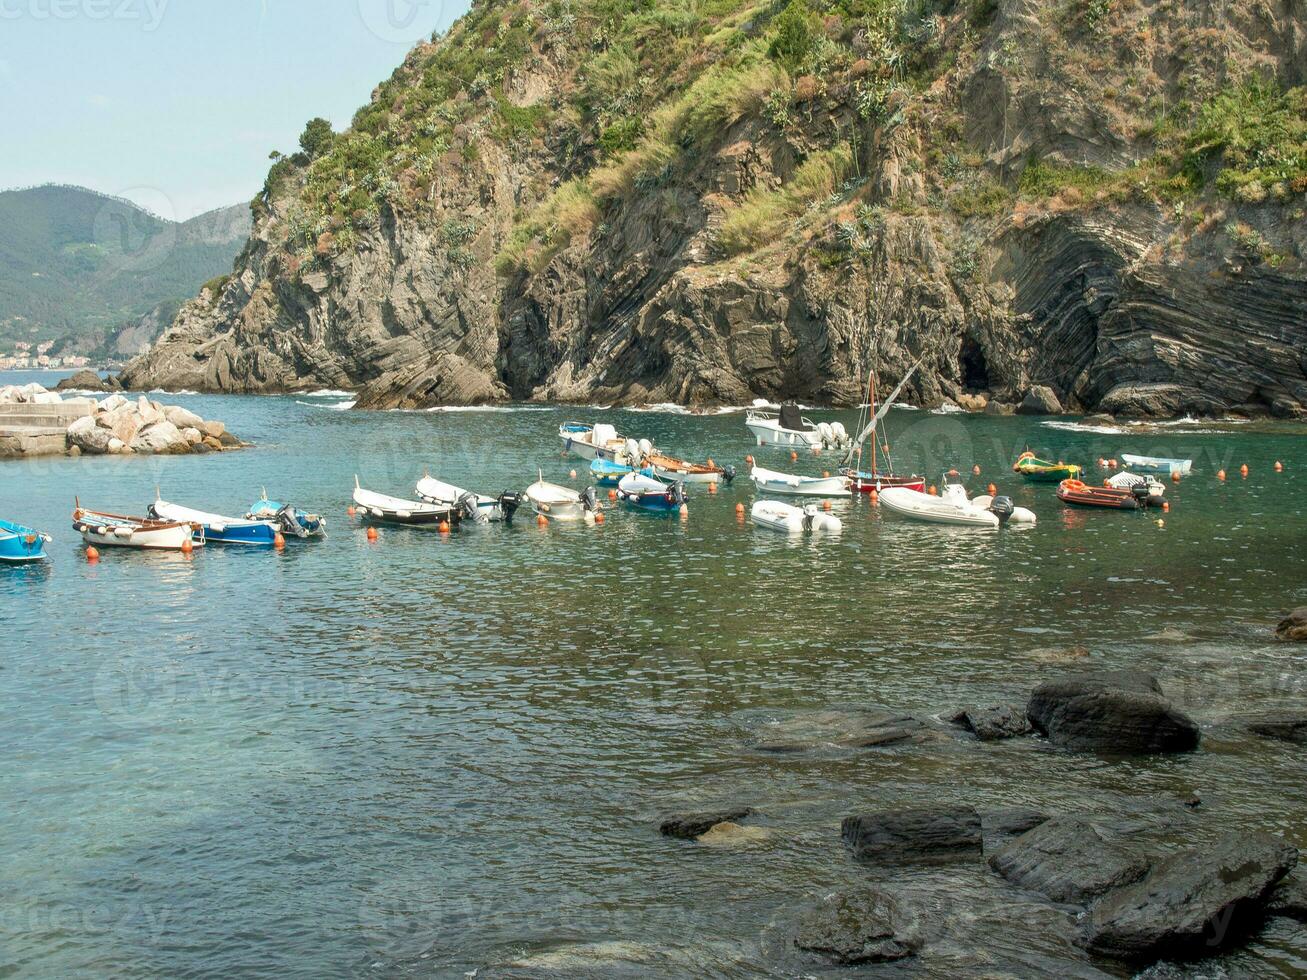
176	104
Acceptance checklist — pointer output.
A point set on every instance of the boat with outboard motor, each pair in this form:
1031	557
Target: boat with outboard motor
952	506
1128	481
648	493
780	516
601	441
608	474
395	510
674	470
290	521
476	507
20	544
1115	498
791	429
119	531
1157	464
879	477
786	484
217	529
560	503
1039	470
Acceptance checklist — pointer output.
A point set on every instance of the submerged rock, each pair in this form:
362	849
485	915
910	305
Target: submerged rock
1193	902
842	728
889	835
691	825
994	722
1284	727
1293	628
998	827
851	928
1119	712
1289	899
1067	860
730	834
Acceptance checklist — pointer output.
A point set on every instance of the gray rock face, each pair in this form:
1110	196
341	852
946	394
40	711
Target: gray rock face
690	825
999	827
892	835
1121	712
1293	628
87	381
994	722
1282	727
1068	861
1192	903
851	928
1040	400
1289	899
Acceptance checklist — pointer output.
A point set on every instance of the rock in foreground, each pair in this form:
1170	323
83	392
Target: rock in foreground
994	722
850	928
1067	860
1120	712
1293	628
1192	903
890	835
691	825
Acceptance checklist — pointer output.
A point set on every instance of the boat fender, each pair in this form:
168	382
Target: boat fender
403	514
122	532
218	528
376	511
1002	508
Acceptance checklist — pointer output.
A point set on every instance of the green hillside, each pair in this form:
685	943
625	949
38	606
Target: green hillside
76	262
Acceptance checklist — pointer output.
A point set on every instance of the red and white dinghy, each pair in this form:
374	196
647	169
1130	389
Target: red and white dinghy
118	531
860	482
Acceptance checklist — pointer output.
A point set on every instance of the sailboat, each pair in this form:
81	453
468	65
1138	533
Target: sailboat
877	478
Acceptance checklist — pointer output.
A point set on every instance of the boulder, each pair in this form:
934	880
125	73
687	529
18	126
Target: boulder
117	447
999	408
1293	628
1067	860
88	437
728	834
1192	903
86	380
160	437
44	398
213	444
844	728
973	403
934	832
1282	727
214	429
192	436
997	827
1113	712
690	825
146	411
852	928
182	418
112	403
1289	899
123	423
228	440
994	722
1040	400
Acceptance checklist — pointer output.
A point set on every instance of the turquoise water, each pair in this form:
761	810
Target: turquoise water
429	755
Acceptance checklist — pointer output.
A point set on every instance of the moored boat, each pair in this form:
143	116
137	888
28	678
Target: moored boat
1117	498
475	507
770	481
780	516
1039	470
560	503
601	441
290	521
1128	481
646	492
791	429
119	531
20	544
678	470
952	506
218	529
608	474
879	477
395	510
1157	464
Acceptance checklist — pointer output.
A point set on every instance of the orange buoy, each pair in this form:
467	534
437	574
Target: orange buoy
1166	507
278	541
1279	467
1111	464
794	457
444	527
1220	474
612	494
350	511
992	489
572	474
542	521
685	510
748	460
873	498
93	555
372	534
1102	463
1175	476
712	488
739	509
825	505
710	462
1243	470
188	546
954	473
825	474
599	518
975	470
933	491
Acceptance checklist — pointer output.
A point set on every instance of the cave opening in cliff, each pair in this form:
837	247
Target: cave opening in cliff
975	372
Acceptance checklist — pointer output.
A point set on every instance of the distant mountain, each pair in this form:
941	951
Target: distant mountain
80	265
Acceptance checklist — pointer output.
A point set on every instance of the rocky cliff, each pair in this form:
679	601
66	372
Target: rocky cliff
711	202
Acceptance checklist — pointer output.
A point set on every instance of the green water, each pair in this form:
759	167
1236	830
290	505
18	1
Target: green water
430	755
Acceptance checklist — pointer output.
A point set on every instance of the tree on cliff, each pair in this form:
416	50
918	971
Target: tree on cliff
317	138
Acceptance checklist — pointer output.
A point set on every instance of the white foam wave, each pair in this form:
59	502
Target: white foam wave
328	393
344	406
1105	430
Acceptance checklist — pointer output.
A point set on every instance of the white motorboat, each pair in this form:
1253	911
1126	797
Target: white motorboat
644	491
780	516
396	510
953	507
1157	464
560	503
601	441
476	507
1128	481
789	428
770	481
117	531
217	528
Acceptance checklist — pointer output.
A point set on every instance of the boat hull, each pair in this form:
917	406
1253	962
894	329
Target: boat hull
934	510
112	531
879	482
20	545
775	515
557	503
647	493
1157	464
1110	498
769	433
382	509
606	473
786	485
218	529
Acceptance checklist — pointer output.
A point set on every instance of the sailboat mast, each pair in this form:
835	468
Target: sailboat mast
871	401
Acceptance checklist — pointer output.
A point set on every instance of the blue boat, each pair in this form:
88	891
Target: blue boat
290	521
219	529
19	544
647	493
608	474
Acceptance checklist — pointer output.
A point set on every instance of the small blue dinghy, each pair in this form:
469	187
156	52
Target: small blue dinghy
20	545
290	521
606	473
648	493
218	529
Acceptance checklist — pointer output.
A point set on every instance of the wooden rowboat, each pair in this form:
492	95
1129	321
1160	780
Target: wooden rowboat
120	531
1042	471
1118	498
20	544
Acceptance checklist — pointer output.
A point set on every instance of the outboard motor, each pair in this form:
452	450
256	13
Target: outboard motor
588	500
809	515
678	492
466	505
509	502
646	448
633	454
289	524
1002	508
1141	494
728	473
